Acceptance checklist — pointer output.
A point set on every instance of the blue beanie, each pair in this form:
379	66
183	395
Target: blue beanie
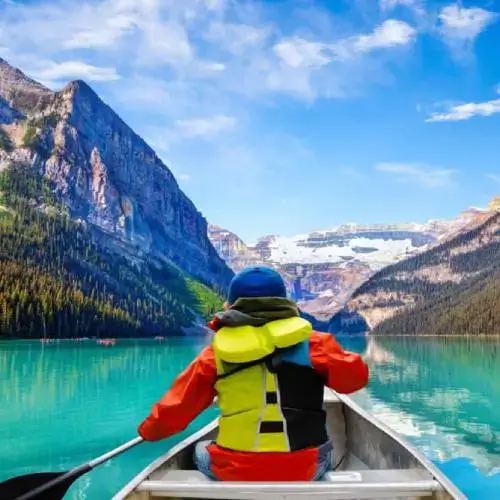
256	282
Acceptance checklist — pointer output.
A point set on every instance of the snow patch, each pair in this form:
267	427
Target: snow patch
288	250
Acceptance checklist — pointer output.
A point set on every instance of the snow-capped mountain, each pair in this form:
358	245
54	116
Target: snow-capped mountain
323	268
376	246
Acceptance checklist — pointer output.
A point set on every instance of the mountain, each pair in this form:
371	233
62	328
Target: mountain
450	288
105	173
71	158
232	249
324	268
470	309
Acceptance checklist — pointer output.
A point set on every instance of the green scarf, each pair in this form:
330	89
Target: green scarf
257	311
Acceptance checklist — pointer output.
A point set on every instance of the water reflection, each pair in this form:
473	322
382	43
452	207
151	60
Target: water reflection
443	394
63	404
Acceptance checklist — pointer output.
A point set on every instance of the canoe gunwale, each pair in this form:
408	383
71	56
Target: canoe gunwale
425	462
330	398
143	475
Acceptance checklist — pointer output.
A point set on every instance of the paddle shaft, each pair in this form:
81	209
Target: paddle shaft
79	471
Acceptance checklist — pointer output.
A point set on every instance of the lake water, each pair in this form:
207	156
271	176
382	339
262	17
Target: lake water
63	404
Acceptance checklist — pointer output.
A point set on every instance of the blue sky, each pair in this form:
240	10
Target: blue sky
289	116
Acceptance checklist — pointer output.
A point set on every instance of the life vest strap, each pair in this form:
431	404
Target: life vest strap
271	361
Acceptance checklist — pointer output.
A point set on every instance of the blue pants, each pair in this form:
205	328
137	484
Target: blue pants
203	462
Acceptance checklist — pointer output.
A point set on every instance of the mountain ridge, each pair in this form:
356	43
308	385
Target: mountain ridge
322	284
105	173
438	283
136	253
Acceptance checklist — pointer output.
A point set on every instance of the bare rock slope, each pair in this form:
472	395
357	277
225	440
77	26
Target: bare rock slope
104	173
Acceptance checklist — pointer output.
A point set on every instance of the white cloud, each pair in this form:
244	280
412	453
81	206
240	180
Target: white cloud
390	33
74	70
105	35
466	111
460	22
460	26
191	72
166	43
206	44
236	38
184	177
297	52
341	62
146	93
417	8
494	177
415	173
144	31
455	112
205	127
206	66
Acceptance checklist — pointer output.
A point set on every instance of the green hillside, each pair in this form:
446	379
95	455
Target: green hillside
468	305
470	309
56	281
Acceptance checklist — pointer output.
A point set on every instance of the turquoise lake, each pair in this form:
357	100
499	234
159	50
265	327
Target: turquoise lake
63	404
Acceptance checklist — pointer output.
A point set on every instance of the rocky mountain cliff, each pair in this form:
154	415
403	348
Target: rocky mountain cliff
232	249
104	174
434	283
324	268
96	237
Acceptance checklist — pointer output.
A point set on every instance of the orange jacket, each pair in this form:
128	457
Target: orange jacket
193	391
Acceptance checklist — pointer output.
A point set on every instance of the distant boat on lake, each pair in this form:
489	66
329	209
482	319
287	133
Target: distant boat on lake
106	342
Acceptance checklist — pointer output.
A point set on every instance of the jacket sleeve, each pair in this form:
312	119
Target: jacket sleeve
191	392
344	372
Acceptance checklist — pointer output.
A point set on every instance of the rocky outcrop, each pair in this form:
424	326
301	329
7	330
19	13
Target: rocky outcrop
232	249
322	289
104	173
494	204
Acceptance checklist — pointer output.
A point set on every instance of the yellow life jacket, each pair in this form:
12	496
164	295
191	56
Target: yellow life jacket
252	418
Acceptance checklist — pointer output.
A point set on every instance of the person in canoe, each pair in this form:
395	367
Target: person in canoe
269	369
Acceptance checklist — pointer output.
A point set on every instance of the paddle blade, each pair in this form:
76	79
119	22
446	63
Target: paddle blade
18	487
54	485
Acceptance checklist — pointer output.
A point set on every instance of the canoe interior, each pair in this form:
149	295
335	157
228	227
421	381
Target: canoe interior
367	448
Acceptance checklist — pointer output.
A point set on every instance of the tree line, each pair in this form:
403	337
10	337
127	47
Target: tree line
470	306
56	281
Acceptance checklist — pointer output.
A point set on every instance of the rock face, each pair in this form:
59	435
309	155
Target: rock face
104	173
442	268
322	289
232	249
494	204
324	268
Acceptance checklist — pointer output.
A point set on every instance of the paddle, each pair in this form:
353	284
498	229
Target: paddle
54	485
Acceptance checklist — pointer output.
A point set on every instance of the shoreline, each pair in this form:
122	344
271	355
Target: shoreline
434	335
495	336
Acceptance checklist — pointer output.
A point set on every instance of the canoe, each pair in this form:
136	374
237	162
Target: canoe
377	463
